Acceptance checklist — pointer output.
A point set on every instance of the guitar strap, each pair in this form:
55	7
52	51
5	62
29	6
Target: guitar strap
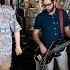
60	14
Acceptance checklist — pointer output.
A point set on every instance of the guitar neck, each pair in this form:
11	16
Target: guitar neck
61	46
57	48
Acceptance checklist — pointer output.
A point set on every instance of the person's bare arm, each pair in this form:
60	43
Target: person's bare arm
18	49
67	31
38	41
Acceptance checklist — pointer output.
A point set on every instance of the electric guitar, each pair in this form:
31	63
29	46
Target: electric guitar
55	47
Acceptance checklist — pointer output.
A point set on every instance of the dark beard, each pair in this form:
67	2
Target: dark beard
50	9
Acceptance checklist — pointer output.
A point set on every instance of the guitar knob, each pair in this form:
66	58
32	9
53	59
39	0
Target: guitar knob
48	61
55	53
24	43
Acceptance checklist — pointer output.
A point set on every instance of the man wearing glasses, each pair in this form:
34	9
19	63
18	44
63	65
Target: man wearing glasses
48	22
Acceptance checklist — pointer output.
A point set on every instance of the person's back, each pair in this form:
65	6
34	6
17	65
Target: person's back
8	24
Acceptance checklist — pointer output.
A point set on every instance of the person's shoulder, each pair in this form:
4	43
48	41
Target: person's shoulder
41	14
64	11
8	9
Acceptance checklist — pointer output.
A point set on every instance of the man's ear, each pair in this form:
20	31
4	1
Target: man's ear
54	2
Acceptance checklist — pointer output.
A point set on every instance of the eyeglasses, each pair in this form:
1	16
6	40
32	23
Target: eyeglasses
47	5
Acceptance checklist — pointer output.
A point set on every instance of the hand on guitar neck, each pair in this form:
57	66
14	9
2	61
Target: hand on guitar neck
43	49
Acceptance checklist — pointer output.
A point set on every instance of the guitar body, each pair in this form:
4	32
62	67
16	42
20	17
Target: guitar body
55	47
39	57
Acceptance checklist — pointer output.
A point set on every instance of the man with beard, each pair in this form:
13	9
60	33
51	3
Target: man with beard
48	22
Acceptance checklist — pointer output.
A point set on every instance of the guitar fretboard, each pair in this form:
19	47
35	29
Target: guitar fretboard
57	48
61	46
